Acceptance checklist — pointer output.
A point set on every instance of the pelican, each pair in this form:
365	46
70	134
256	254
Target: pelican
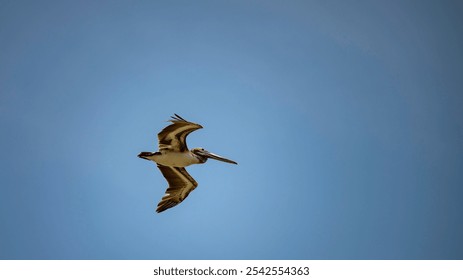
172	158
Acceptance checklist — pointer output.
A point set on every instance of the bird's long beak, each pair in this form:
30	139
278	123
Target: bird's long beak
216	157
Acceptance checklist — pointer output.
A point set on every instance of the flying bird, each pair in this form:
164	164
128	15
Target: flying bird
172	158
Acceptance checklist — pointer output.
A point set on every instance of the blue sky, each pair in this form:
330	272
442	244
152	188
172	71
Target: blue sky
345	118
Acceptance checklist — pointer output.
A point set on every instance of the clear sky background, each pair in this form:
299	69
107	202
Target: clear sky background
346	119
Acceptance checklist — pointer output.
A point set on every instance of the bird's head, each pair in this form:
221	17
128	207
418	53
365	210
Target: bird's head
203	155
146	155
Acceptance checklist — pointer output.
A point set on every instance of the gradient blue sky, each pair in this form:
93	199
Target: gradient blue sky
346	119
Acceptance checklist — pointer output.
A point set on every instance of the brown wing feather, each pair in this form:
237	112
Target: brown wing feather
173	137
180	186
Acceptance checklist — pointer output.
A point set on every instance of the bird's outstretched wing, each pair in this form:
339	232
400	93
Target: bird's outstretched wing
180	186
173	137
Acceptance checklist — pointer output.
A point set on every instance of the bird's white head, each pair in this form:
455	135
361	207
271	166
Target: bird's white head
204	155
